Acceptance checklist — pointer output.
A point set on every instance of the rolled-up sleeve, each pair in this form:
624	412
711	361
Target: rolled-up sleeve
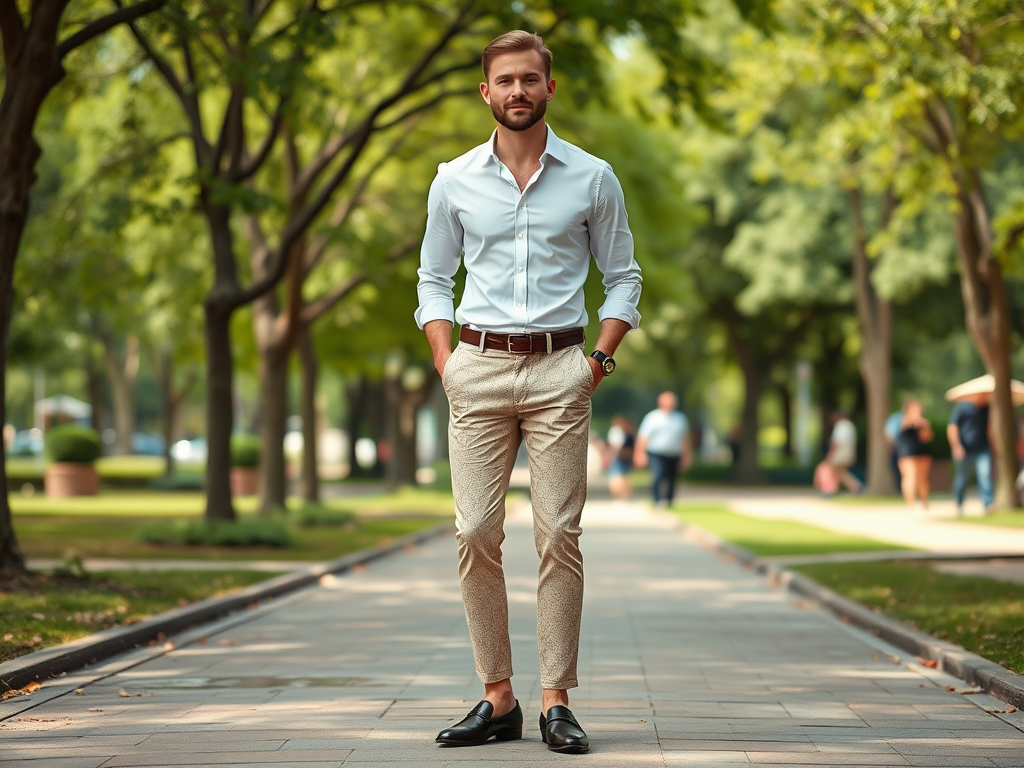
440	256
611	242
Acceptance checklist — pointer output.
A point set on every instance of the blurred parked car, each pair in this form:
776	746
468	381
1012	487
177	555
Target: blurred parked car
27	442
190	450
145	444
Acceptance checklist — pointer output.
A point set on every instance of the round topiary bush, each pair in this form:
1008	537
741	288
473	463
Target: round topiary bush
72	444
245	450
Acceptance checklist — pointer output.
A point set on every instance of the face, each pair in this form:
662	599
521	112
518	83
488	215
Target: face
517	89
667	401
913	409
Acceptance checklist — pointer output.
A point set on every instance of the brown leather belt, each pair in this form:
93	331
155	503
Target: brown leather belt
523	343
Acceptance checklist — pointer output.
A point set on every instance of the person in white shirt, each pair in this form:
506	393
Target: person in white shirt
663	442
524	212
842	451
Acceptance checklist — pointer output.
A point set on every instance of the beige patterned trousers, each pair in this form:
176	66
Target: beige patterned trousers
498	399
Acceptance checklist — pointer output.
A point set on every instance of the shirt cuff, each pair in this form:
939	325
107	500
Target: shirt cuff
435	310
619	310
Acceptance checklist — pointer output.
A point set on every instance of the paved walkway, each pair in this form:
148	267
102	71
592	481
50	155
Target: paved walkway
685	660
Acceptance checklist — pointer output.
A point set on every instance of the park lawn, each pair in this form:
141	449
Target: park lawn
770	538
49	610
997	519
983	615
133	503
54	536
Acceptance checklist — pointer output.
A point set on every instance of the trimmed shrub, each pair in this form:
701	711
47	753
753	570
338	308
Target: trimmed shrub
245	450
73	444
246	532
319	516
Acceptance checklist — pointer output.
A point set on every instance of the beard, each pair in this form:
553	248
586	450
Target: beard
516	120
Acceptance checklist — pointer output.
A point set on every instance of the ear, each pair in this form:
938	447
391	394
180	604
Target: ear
551	89
485	92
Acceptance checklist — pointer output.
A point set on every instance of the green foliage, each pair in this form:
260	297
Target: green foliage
73	444
244	532
320	516
245	450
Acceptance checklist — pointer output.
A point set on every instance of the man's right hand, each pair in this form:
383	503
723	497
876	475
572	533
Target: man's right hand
958	452
439	336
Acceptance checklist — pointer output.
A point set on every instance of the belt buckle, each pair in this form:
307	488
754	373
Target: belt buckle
529	340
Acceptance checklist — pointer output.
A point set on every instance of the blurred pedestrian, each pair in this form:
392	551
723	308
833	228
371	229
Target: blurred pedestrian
969	443
663	442
913	454
842	452
892	428
621	446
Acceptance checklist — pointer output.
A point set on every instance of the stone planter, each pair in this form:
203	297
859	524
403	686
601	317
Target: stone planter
245	481
65	479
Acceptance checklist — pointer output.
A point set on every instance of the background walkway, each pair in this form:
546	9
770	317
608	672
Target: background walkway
685	660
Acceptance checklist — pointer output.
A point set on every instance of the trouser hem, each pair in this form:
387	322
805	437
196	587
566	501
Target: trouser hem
563	685
495	677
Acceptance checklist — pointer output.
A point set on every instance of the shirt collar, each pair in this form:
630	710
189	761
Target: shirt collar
554	148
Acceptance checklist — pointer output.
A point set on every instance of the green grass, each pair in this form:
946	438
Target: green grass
115	503
983	615
768	538
51	610
53	536
998	520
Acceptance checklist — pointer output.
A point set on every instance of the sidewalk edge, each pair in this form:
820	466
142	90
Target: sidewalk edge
953	659
61	659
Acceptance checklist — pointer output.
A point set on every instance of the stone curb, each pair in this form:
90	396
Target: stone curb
53	662
953	659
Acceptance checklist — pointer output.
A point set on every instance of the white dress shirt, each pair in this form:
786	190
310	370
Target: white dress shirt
527	253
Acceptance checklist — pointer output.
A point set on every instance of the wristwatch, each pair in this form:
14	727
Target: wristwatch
607	362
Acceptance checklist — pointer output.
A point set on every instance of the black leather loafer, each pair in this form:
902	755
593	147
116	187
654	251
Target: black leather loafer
480	725
561	732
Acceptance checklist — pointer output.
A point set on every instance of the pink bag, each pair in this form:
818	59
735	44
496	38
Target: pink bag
825	478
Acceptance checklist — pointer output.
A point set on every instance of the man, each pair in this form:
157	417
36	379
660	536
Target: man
663	442
525	210
972	453
842	452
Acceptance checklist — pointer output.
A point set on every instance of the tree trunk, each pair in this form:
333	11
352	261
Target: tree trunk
366	417
310	423
403	410
94	388
122	373
874	316
988	321
32	70
875	361
747	470
170	409
273	398
786	402
219	411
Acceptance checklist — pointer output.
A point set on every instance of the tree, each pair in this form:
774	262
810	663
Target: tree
34	52
946	88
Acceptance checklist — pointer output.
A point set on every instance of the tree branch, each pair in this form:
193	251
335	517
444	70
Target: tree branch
104	23
12	33
317	308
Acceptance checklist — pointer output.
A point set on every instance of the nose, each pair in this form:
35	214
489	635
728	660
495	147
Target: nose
518	87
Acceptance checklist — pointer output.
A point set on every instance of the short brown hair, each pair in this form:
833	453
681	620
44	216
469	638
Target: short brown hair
513	42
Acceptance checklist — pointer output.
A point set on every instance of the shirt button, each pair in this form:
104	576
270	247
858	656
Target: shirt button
520	269
520	306
521	235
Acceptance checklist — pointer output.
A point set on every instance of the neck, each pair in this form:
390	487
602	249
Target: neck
518	148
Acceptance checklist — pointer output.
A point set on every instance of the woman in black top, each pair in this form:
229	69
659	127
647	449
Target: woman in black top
912	452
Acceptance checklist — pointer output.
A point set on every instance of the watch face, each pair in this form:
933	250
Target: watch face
608	365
